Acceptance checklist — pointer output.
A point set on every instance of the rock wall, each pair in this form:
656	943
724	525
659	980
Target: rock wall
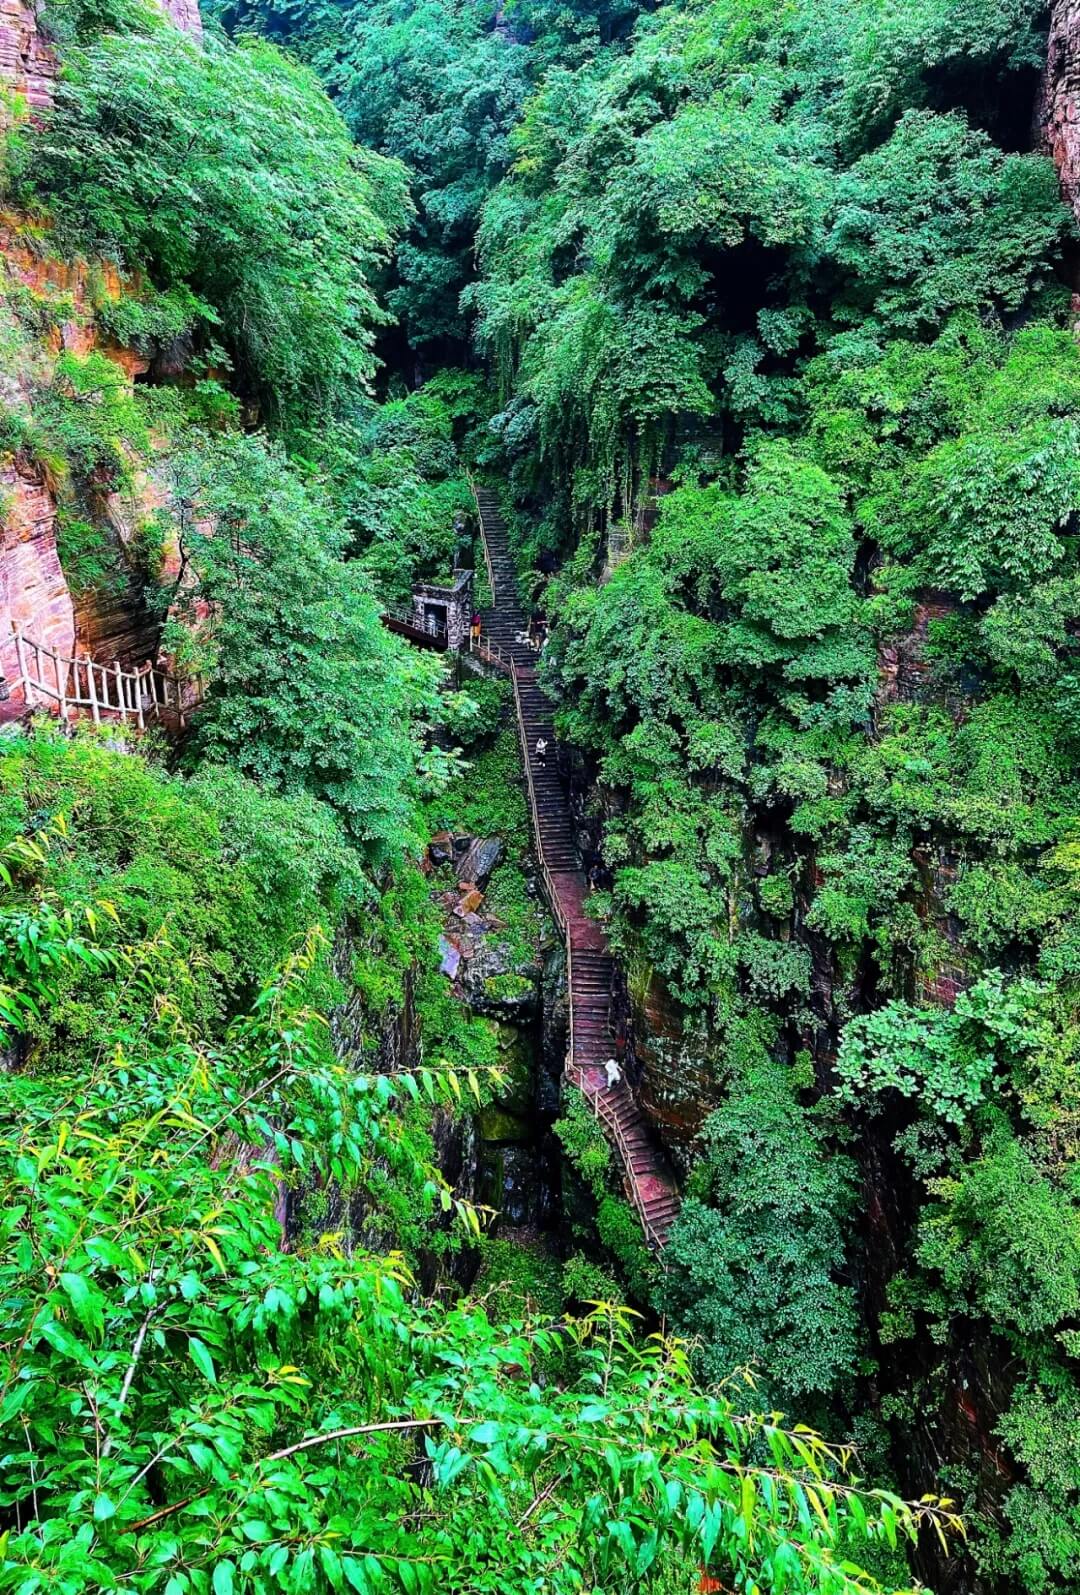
28	65
678	1088
185	13
1057	112
903	668
28	61
33	591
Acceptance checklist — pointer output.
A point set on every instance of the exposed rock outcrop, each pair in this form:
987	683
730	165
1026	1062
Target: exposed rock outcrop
904	670
34	594
28	64
1057	112
33	591
185	13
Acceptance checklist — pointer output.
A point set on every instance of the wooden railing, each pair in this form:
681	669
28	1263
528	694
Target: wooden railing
605	1114
601	1108
107	691
483	540
486	649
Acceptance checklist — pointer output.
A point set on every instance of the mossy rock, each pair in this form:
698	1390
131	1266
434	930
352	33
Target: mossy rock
497	1125
510	989
516	1061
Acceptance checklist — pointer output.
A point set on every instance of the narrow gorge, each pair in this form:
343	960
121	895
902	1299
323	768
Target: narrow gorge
540	797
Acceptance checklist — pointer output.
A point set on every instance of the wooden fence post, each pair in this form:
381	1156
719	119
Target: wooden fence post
91	687
24	675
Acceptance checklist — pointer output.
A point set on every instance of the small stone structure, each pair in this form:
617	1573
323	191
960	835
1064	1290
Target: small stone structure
445	609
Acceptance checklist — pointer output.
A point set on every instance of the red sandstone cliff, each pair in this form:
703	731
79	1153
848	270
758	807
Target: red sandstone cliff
34	593
1057	112
27	61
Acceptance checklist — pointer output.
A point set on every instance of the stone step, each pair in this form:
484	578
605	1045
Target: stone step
593	968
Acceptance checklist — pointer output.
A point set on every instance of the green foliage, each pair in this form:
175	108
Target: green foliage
87	557
517	1281
719	664
151	321
944	1058
792	258
402	488
434	87
214	877
311	693
584	1142
937	220
584	1281
223	172
487	798
233	1411
1043	1518
756	1255
989	505
88	419
1003	1240
618	1228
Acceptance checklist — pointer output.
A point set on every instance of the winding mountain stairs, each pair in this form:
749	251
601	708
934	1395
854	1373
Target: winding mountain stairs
590	966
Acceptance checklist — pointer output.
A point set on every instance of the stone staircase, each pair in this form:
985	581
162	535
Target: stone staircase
648	1181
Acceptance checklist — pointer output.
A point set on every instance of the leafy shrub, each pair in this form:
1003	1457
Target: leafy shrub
216	877
756	1255
584	1142
224	173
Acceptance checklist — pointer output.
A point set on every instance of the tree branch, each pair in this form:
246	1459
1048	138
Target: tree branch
136	1352
397	1424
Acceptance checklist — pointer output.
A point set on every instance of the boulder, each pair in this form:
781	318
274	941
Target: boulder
470	900
491	984
481	858
450	956
441	848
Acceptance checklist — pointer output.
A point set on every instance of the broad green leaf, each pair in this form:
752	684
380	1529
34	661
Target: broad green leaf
202	1359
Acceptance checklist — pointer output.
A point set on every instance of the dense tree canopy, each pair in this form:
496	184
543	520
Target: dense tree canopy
757	317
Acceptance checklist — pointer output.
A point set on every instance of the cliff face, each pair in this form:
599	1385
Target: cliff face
110	622
28	63
35	594
1057	113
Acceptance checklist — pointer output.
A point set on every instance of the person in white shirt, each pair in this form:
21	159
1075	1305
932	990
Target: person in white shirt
541	750
613	1072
